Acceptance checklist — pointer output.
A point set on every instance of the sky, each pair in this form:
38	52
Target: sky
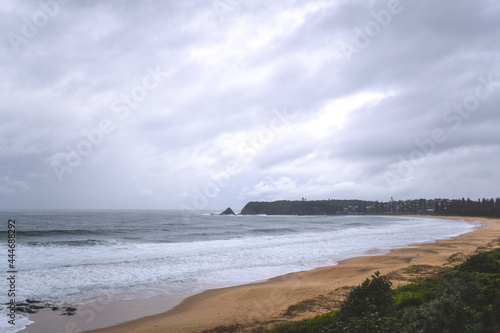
201	105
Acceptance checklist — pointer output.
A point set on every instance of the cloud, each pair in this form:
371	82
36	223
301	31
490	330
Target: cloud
273	188
8	185
226	72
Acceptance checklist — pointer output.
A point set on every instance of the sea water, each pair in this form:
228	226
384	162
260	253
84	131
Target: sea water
75	257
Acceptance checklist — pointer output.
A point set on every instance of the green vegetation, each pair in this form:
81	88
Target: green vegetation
465	299
285	207
467	207
454	207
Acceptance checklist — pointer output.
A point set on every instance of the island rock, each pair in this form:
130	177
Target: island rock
228	211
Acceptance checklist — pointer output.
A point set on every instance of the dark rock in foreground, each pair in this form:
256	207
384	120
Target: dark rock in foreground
228	211
32	306
31	301
21	309
69	312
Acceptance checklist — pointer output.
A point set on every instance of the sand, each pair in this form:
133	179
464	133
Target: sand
296	296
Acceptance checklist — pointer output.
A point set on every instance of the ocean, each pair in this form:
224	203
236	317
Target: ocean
74	257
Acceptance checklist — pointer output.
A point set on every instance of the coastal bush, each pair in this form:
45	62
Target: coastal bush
369	323
365	308
425	291
409	302
317	324
371	296
481	263
446	314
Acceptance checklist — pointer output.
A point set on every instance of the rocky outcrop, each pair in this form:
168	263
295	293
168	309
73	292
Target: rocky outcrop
228	211
32	306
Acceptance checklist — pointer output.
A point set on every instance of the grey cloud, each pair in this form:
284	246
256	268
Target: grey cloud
228	72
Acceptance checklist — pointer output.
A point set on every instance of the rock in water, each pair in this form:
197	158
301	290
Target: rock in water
228	211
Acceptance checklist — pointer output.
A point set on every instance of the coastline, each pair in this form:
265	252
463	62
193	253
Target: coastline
301	295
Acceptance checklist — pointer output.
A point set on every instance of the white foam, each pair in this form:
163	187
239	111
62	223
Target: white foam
21	321
81	274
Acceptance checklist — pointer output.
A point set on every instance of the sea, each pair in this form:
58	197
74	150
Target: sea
76	256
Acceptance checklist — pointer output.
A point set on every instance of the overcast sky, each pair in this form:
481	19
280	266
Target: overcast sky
209	104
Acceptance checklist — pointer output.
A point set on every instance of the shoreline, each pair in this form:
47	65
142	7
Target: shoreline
300	295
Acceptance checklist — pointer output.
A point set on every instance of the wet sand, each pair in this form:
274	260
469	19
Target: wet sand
100	314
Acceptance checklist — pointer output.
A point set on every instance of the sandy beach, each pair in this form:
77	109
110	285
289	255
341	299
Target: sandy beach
296	296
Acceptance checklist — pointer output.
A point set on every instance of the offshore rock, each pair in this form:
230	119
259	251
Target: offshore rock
228	211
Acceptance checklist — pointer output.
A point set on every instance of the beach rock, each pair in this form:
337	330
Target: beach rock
228	211
24	310
32	301
55	308
70	309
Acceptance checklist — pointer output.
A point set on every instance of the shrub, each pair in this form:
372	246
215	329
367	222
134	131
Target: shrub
373	295
446	314
480	263
369	323
409	302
